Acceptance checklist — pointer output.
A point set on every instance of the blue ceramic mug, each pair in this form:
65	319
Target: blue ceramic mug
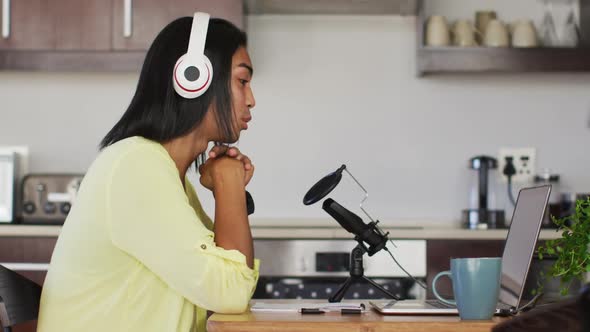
476	286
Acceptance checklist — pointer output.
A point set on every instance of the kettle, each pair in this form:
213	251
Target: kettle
481	213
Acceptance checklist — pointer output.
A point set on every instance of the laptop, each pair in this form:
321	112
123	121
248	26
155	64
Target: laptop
516	259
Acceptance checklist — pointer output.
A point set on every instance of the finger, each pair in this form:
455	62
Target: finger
247	162
249	175
218	150
233	152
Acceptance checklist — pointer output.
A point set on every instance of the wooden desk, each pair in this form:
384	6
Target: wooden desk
369	321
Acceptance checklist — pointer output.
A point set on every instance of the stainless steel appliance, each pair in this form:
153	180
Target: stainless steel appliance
481	213
48	198
7	186
546	177
315	269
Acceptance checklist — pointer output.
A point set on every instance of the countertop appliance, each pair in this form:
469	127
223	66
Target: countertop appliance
7	186
48	198
546	177
481	214
315	269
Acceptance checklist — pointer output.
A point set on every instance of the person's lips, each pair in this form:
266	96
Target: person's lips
246	119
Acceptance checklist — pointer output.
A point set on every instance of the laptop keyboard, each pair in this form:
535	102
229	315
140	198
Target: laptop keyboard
439	304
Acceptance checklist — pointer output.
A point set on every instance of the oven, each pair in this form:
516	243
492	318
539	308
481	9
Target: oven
315	269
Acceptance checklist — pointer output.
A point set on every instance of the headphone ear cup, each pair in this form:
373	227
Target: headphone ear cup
192	80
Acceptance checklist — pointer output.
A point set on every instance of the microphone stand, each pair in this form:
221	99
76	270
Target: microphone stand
357	274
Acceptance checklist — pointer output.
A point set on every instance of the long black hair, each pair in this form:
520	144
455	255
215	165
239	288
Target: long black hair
156	111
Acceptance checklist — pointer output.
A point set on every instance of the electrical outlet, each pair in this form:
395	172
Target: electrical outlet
524	163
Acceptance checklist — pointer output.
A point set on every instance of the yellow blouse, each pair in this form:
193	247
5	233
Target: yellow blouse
136	252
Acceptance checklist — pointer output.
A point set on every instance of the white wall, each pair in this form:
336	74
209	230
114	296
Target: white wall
333	90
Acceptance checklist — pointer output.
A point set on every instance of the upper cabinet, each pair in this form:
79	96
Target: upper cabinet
55	25
92	35
26	25
81	24
137	22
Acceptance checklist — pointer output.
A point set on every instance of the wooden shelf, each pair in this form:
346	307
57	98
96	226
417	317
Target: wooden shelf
440	60
433	60
331	7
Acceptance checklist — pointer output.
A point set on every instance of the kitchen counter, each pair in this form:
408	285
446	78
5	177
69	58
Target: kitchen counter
307	232
333	321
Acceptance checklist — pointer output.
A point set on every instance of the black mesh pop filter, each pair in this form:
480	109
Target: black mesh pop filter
323	187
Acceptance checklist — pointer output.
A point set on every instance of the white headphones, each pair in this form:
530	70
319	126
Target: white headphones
193	71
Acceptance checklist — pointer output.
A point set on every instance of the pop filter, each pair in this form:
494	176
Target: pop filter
323	187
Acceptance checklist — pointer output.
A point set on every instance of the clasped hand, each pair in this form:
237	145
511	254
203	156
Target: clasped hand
227	163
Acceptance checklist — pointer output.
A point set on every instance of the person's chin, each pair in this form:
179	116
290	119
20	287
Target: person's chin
231	140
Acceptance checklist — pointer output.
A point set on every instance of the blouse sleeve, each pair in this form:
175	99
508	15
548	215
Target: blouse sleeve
150	218
196	204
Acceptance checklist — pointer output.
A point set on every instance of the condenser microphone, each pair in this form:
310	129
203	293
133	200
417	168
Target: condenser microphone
355	225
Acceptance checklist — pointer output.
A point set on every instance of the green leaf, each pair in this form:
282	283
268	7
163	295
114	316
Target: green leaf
571	249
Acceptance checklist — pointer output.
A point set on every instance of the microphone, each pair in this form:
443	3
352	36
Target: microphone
249	203
355	225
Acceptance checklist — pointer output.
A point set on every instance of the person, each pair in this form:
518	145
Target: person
137	251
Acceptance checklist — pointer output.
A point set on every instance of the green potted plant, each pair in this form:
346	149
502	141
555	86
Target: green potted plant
571	250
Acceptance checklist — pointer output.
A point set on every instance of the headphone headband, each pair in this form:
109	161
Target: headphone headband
196	43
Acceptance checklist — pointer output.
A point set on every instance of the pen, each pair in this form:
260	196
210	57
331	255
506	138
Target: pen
311	311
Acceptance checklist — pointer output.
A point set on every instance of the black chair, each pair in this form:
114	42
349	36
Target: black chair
19	299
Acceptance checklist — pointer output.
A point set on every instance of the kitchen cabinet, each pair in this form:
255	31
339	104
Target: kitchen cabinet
136	23
449	59
82	24
29	256
55	25
92	35
26	25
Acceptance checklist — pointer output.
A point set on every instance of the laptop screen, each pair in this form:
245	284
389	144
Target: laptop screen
520	243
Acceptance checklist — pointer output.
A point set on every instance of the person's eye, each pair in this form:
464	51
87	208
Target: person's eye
243	82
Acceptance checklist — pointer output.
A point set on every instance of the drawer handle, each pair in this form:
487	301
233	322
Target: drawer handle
5	19
127	18
26	266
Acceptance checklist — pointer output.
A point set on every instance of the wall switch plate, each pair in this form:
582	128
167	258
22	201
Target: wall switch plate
524	161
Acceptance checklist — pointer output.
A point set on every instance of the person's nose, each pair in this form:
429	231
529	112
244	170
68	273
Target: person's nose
250	101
